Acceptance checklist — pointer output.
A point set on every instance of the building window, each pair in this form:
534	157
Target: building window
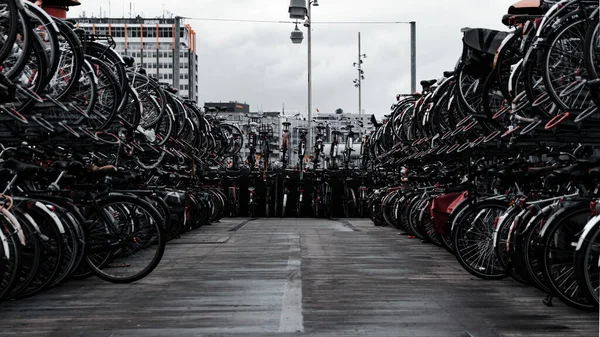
164	32
149	31
117	31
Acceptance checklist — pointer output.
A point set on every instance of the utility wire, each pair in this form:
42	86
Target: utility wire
287	22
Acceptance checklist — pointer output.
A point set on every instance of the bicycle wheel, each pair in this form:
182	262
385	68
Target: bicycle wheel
110	57
268	203
557	253
13	259
299	204
108	95
8	27
349	202
32	253
151	96
413	217
472	237
31	79
131	232
71	62
563	69
284	204
426	225
586	261
504	228
15	62
52	248
43	25
72	246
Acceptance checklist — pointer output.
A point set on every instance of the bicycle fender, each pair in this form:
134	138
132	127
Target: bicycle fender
54	217
15	224
587	229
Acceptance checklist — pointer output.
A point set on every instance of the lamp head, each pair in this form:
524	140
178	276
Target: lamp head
315	3
298	9
297	36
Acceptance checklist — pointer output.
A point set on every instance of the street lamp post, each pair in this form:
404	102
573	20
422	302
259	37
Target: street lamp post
299	10
361	77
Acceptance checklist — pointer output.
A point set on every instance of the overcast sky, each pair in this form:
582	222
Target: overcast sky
257	63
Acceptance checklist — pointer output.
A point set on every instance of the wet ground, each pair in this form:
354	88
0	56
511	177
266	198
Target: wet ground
296	277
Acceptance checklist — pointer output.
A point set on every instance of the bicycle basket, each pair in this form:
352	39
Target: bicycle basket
479	49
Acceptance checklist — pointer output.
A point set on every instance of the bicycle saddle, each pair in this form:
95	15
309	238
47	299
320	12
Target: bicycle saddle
530	7
210	109
69	3
21	167
129	61
68	165
286	123
427	84
595	172
449	73
253	124
171	89
514	20
103	169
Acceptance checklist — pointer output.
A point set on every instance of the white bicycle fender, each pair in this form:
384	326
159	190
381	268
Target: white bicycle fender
501	220
54	217
36	227
587	229
15	223
5	245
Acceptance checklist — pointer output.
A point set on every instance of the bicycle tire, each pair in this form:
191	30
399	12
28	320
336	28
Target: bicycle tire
11	23
562	226
492	270
586	267
98	243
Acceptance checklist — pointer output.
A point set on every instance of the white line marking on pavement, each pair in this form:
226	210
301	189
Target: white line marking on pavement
292	319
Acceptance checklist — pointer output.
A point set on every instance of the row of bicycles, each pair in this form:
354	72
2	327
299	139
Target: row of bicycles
308	188
498	161
294	193
100	164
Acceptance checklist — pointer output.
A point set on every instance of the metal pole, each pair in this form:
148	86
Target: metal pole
310	131
413	56
176	52
359	78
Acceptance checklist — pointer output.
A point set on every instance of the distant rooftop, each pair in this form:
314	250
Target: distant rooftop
137	19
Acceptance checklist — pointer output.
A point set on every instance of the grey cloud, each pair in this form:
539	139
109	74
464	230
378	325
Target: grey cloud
257	62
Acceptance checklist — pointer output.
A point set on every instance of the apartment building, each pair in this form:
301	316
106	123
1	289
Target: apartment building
152	43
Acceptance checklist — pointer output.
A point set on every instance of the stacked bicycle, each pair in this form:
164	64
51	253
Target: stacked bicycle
100	164
498	161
